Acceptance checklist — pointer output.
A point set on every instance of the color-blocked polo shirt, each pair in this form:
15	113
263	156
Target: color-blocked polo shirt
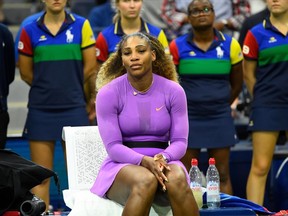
108	39
57	62
269	47
205	75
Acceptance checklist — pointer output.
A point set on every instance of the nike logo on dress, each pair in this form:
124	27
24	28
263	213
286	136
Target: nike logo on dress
158	109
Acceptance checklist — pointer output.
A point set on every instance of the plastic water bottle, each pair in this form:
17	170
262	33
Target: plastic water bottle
196	182
213	185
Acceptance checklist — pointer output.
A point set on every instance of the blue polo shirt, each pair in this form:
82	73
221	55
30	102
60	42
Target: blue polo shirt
108	39
58	75
205	75
266	45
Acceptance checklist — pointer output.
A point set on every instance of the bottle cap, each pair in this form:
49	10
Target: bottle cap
194	162
212	161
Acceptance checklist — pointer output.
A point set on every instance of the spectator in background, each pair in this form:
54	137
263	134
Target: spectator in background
209	64
266	78
151	13
233	23
229	15
251	22
3	18
101	16
82	7
7	73
56	57
126	21
174	13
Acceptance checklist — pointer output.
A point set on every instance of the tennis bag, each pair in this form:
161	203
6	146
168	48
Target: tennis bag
17	177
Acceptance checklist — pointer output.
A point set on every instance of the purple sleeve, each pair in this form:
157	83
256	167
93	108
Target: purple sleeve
107	108
179	126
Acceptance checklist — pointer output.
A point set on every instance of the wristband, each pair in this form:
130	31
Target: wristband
159	157
165	158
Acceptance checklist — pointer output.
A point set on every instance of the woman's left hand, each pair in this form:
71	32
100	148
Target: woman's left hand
161	163
158	167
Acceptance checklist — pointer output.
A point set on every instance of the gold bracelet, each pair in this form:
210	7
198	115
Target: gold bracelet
158	157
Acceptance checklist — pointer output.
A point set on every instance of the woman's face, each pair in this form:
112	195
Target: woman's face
129	9
55	6
278	7
201	14
137	57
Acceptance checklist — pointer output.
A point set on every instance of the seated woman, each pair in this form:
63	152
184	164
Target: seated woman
140	108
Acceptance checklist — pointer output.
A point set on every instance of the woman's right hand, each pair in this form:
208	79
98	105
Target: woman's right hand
158	168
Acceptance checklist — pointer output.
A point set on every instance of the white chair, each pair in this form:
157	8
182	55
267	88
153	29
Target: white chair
85	153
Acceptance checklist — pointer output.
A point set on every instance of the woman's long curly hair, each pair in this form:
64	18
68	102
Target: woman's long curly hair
113	67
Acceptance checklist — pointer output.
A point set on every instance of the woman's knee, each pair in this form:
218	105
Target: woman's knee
261	168
176	179
145	182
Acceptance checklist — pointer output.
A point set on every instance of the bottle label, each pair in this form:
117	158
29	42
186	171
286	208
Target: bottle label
195	186
212	188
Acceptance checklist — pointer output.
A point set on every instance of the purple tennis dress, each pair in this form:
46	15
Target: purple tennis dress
124	115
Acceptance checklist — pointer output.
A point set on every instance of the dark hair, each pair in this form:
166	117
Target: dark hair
113	67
